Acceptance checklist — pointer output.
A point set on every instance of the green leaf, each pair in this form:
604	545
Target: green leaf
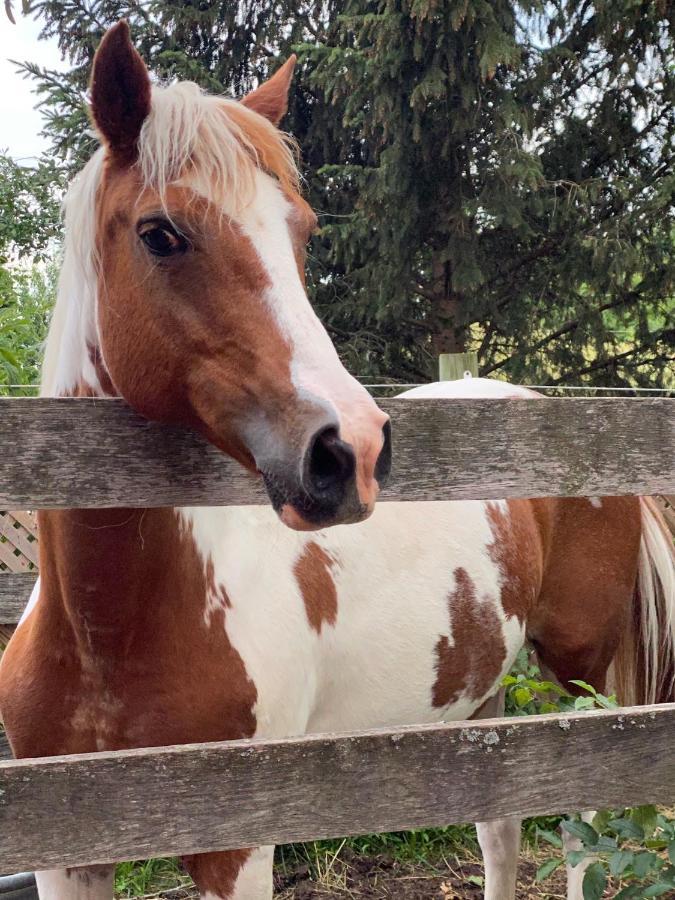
552	688
645	817
606	844
550	837
475	879
584	703
626	828
629	892
522	696
619	861
584	685
606	702
644	863
548	868
671	852
601	819
594	882
658	890
574	857
582	830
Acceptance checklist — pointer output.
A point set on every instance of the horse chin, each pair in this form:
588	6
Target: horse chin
298	521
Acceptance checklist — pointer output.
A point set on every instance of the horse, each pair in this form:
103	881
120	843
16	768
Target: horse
182	292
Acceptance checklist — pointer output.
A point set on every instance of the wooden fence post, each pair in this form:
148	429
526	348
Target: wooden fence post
452	366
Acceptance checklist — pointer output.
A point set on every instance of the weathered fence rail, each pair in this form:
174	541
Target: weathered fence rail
67	452
15	590
102	807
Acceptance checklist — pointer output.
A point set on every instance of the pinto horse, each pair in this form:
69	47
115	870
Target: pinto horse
182	292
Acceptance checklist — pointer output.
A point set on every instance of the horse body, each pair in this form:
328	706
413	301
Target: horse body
172	626
213	624
182	292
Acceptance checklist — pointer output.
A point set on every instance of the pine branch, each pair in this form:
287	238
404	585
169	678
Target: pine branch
613	360
567	328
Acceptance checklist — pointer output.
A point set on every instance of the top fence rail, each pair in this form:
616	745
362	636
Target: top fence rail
97	453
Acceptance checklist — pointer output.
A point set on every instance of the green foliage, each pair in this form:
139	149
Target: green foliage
137	879
29	225
527	694
635	846
27	294
490	176
29	207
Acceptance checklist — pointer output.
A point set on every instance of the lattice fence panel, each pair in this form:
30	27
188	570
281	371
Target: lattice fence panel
18	542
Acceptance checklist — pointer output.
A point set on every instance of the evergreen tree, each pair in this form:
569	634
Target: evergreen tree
489	175
29	224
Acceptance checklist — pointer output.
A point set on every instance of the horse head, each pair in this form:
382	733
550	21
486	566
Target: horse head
201	316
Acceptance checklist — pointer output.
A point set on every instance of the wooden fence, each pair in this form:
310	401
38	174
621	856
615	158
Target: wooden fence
103	807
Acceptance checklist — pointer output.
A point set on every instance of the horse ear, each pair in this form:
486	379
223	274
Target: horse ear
120	91
271	98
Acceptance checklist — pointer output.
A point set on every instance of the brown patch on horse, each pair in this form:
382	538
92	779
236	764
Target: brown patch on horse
474	662
518	553
312	571
588	586
120	628
204	341
216	872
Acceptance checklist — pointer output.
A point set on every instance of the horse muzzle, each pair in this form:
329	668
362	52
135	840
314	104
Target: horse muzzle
334	487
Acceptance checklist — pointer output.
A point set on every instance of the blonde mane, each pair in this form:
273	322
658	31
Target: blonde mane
213	141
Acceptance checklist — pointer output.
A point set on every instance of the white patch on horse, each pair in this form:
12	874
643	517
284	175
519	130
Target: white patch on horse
252	555
596	502
377	664
85	883
315	366
255	878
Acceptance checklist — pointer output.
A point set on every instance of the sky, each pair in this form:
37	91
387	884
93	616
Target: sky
20	122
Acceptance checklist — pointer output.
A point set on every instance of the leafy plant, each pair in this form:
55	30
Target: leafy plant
527	693
635	847
26	298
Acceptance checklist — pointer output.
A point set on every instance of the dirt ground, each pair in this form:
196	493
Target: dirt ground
353	877
385	879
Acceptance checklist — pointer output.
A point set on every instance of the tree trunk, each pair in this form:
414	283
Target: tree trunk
448	336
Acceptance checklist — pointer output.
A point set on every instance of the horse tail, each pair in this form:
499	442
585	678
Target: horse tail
644	665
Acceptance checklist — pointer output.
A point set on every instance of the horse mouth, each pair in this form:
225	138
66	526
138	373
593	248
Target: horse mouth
300	512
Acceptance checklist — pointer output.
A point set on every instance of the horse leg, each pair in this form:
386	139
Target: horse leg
575	874
83	883
499	839
233	874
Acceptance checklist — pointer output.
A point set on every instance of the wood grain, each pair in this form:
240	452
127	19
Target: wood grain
132	804
15	591
83	452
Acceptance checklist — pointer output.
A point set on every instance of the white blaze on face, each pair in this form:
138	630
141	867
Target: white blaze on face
315	366
316	369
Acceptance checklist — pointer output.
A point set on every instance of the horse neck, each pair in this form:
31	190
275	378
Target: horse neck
102	571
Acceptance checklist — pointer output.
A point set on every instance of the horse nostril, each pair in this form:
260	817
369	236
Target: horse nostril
383	464
331	463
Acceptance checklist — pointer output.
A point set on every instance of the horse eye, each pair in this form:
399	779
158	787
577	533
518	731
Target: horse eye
161	238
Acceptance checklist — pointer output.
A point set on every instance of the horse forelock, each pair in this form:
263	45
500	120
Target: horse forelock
191	136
